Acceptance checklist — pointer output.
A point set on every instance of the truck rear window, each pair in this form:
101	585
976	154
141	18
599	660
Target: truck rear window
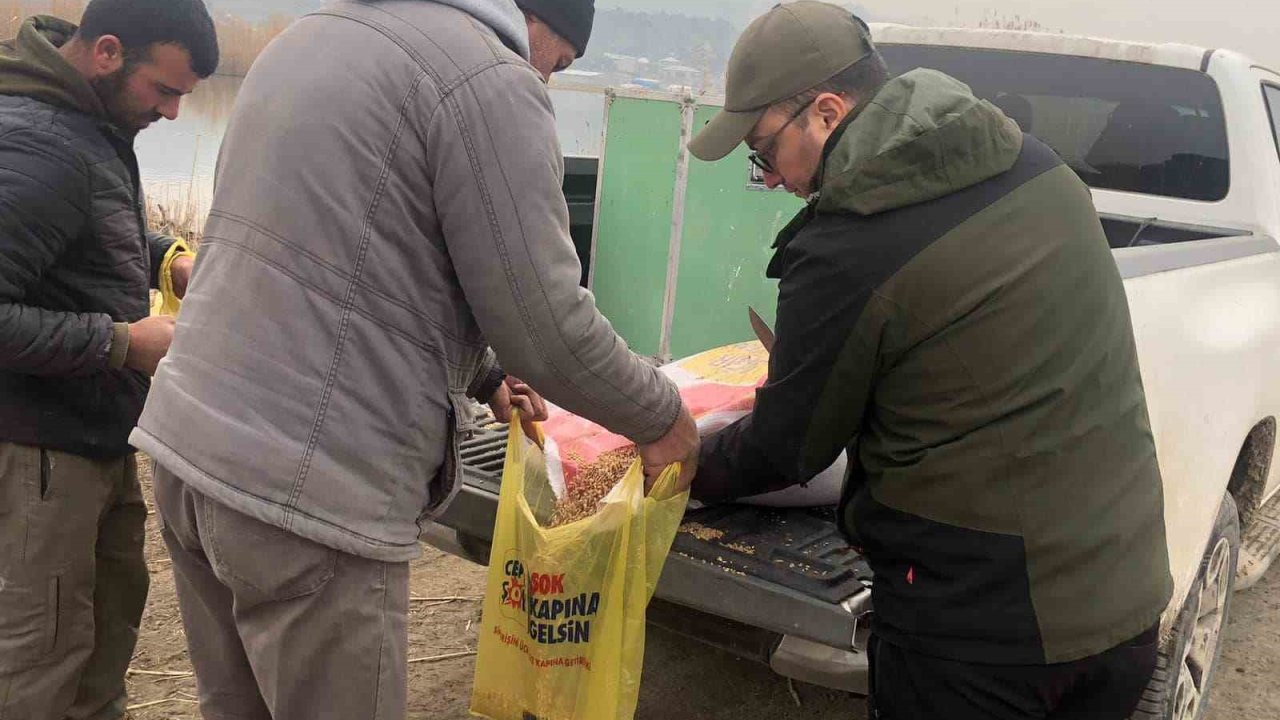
1123	126
1272	93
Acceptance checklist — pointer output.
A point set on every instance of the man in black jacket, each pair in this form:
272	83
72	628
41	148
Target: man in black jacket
77	347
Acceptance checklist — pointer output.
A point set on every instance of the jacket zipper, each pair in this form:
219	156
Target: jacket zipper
130	157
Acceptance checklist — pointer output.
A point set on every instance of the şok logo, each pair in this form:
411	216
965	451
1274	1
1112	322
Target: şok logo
513	587
540	601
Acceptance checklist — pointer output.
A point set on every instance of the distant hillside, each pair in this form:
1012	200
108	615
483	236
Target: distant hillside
703	43
696	47
739	12
699	41
255	10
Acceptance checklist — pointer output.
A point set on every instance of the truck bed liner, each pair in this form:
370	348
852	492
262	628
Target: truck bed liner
800	549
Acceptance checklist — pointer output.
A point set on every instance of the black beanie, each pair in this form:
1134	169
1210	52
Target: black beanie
571	19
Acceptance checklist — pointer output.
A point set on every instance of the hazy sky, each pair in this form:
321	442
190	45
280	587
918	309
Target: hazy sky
1250	26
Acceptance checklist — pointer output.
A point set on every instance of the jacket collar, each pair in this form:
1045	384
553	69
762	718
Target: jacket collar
503	16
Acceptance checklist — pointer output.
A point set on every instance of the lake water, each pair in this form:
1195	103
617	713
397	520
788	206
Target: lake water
178	158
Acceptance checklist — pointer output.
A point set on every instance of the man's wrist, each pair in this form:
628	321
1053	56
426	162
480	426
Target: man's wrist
119	348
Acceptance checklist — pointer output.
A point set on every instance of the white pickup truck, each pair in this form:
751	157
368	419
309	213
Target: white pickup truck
1181	146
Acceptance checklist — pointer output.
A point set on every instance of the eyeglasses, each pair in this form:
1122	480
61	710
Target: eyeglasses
760	157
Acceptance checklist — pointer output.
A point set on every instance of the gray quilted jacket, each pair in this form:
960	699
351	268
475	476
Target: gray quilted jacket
384	212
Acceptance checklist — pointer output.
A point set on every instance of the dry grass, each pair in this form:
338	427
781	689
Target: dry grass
241	41
175	219
177	209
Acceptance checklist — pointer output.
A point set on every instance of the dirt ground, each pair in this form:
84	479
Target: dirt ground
682	679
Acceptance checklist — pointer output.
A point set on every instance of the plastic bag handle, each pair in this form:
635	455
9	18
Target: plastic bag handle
664	488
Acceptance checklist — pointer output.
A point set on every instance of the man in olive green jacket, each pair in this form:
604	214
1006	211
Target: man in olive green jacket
950	313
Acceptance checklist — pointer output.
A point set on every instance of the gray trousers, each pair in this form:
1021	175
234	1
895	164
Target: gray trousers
73	583
280	627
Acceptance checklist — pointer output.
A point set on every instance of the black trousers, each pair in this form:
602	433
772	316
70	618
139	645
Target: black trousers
906	685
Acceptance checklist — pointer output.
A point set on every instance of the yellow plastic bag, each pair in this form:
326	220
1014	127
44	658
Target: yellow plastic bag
562	631
165	301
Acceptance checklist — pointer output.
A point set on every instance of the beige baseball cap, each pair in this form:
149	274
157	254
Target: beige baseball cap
788	50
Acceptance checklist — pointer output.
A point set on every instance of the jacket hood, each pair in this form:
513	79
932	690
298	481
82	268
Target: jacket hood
923	136
32	67
503	16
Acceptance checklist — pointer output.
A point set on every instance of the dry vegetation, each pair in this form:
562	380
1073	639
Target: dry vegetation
178	219
175	210
241	41
994	20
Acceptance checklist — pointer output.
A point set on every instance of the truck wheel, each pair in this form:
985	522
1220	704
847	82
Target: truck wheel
1179	689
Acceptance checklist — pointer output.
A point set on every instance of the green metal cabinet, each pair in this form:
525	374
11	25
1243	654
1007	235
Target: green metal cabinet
679	247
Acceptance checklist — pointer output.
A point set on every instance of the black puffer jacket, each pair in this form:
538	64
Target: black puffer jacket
76	261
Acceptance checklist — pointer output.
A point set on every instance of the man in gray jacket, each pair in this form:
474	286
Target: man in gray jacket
386	209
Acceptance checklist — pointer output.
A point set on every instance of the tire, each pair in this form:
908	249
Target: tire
1179	689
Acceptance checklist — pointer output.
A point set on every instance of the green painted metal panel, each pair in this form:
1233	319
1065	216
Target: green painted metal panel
633	223
728	233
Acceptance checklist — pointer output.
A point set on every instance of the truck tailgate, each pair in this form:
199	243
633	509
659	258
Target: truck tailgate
785	570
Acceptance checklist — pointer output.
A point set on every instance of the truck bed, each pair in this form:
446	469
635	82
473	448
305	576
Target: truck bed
798	549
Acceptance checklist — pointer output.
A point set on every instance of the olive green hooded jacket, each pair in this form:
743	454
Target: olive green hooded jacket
950	313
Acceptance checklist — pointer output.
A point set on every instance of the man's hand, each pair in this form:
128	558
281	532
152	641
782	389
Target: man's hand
514	394
180	272
680	444
149	340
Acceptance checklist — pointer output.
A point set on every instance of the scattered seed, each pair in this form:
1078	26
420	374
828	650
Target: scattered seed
700	531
